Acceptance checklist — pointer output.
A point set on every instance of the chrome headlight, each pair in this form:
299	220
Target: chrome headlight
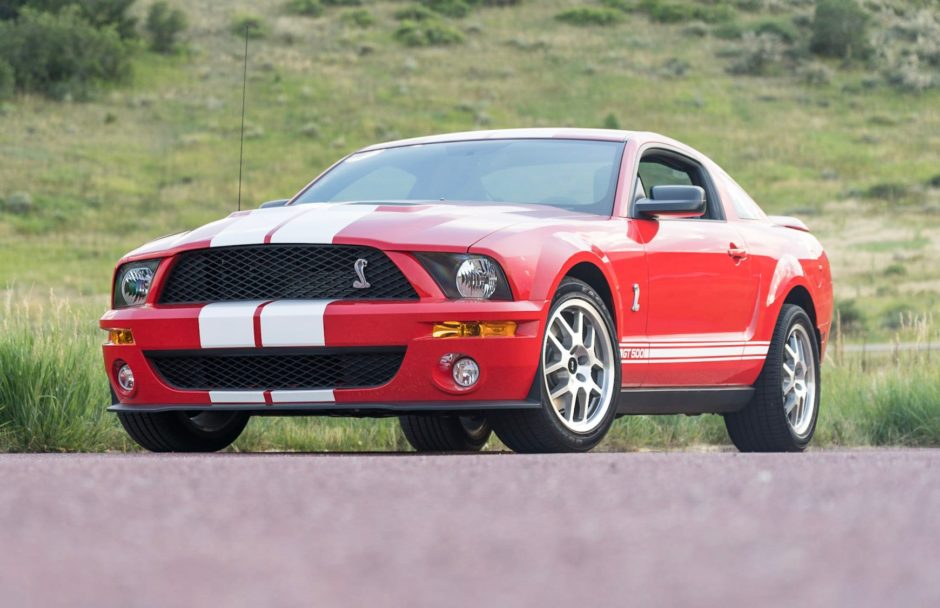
461	275
133	283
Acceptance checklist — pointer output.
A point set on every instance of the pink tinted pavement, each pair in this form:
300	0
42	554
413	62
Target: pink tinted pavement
858	528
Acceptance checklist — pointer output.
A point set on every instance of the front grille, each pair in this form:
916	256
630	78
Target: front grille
280	272
277	370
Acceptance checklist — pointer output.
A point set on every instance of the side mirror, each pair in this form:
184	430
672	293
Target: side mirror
275	203
673	201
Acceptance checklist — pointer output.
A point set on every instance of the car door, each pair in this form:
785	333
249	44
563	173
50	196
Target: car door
702	295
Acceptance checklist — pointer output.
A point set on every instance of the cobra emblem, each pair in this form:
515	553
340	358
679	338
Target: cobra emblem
360	267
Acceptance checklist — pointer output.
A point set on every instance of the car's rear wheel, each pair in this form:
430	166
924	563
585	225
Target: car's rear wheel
578	378
781	416
195	431
441	433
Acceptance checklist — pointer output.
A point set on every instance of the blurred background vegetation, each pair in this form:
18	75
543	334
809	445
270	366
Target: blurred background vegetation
119	123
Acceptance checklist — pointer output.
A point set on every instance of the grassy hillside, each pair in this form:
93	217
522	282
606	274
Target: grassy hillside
851	147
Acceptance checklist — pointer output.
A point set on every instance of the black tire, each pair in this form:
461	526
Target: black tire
541	430
183	431
763	426
442	433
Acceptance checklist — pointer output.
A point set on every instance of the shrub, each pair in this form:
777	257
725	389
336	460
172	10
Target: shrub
784	28
815	73
850	316
934	182
895	270
448	8
428	33
415	12
840	29
306	8
731	30
252	26
359	17
665	11
60	54
611	122
7	80
621	5
887	191
100	13
164	25
19	203
342	2
758	54
588	15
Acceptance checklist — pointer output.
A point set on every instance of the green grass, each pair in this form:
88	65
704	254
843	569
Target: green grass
53	395
160	155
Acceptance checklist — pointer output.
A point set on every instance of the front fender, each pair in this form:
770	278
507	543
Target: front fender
536	261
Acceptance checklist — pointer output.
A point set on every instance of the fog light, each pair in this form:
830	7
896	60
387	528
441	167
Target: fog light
125	378
466	372
120	336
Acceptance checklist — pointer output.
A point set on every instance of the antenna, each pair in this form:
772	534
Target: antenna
241	141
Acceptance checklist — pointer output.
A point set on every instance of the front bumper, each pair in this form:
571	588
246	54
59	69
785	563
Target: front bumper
507	364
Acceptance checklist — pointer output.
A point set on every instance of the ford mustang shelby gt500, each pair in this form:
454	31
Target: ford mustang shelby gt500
536	283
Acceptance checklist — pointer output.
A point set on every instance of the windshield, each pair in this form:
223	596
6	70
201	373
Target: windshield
573	174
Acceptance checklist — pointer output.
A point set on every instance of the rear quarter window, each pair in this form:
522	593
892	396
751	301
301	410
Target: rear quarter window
744	205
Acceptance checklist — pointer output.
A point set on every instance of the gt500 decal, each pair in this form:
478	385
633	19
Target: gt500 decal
634	353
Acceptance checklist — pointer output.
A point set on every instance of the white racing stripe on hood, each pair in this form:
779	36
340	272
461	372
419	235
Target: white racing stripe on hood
253	227
321	224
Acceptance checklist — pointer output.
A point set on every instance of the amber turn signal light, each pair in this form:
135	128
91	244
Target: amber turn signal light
474	329
120	336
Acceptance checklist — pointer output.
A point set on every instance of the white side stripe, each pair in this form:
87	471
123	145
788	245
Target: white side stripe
320	224
293	323
314	396
227	324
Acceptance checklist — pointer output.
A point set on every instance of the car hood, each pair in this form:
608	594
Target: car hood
391	226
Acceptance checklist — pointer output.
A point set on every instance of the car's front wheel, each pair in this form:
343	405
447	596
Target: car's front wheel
578	378
196	431
442	433
781	416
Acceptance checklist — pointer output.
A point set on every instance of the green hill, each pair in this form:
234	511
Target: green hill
851	146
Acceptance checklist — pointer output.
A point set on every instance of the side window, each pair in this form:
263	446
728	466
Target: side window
670	169
743	204
657	174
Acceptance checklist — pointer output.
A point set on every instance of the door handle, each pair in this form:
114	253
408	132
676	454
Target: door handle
737	253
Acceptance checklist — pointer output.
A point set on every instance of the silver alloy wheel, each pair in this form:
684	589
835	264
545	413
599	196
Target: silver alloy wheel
578	365
799	380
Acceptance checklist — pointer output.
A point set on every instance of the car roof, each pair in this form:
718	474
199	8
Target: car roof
542	133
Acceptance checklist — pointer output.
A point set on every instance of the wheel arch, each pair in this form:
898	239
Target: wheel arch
799	295
591	274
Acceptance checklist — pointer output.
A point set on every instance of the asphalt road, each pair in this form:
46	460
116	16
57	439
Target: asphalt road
497	530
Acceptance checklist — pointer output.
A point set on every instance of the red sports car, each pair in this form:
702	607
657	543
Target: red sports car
536	283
